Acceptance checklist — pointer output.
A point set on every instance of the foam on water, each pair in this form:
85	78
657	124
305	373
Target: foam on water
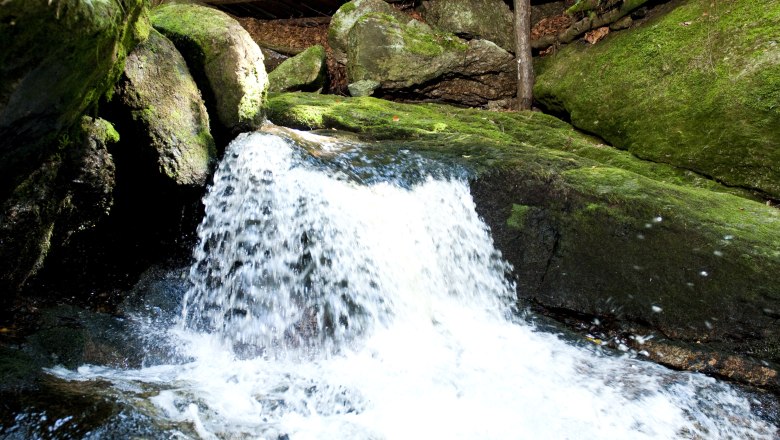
321	308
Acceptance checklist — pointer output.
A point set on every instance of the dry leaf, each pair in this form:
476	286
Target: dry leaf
597	35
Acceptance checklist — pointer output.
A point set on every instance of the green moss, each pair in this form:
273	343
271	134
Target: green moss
697	88
517	218
379	119
346	8
224	61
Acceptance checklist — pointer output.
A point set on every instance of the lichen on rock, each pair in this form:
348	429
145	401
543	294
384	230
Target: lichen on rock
303	72
482	19
164	108
346	17
226	63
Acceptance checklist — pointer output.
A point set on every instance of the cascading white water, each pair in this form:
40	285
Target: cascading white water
322	308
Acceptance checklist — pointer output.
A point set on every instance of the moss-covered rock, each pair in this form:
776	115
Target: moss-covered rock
58	59
163	107
485	19
697	88
448	69
226	63
346	17
72	187
588	228
303	72
381	48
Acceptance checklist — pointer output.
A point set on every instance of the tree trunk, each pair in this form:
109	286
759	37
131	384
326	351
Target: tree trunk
525	66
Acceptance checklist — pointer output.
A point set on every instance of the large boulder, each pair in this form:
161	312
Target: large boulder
72	191
697	88
226	63
593	231
163	108
58	59
485	19
486	76
381	49
303	72
346	17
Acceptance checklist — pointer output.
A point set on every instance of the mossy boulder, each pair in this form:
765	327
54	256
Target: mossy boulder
163	107
72	190
697	88
224	60
303	72
381	49
590	229
58	59
346	17
485	19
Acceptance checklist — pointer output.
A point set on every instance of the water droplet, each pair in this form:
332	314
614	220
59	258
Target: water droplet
704	273
718	253
640	236
657	309
728	237
658	219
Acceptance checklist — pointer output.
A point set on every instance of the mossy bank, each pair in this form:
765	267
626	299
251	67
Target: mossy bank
697	87
590	229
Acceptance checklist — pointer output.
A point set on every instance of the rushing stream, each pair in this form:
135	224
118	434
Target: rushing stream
324	304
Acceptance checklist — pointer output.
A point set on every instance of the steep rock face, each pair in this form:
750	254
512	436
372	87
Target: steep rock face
71	191
484	19
226	63
382	49
58	59
696	88
303	72
347	16
162	104
594	230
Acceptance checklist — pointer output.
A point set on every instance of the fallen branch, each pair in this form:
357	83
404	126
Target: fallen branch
586	24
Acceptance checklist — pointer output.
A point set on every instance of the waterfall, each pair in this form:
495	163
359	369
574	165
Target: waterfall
327	303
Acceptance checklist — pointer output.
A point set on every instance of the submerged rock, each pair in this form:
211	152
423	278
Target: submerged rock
483	19
226	63
165	111
592	229
303	72
697	88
